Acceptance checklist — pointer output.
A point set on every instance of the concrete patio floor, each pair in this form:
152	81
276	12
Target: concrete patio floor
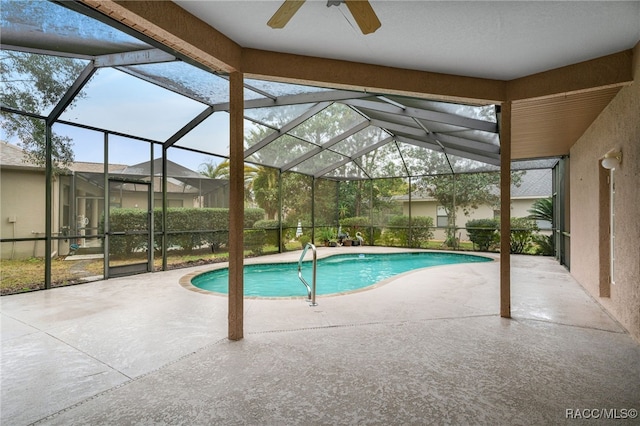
426	347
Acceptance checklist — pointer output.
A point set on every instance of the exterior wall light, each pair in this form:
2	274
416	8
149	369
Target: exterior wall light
611	160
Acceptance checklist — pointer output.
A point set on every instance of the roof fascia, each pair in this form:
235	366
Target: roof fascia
607	71
370	78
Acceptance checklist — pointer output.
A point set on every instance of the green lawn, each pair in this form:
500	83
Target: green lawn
18	276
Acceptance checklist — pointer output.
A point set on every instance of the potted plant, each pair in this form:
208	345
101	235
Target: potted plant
327	235
304	239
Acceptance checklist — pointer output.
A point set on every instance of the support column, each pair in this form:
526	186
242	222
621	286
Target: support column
505	210
165	206
236	206
107	200
48	206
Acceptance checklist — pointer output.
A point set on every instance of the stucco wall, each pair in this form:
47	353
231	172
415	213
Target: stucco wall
519	208
22	197
617	127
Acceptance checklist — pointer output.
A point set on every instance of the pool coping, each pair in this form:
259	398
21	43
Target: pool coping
185	280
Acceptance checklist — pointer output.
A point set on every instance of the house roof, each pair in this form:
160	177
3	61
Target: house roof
81	166
179	178
535	183
13	156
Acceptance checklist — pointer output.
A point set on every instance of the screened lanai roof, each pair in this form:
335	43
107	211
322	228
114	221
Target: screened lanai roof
129	85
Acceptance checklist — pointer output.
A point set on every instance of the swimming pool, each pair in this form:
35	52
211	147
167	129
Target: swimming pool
335	274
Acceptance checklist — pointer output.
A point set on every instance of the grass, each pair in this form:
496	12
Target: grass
17	276
28	274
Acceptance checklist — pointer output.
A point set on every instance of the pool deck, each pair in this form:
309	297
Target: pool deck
425	347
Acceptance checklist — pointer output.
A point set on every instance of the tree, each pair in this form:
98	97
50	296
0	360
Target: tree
215	171
36	83
465	191
221	171
264	186
542	209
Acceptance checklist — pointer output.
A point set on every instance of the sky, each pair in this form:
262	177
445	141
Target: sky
147	111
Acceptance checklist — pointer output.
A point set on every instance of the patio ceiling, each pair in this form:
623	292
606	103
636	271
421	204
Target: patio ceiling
311	129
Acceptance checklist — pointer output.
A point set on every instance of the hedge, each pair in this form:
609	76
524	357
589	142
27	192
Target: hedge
483	233
271	229
421	228
254	240
187	228
126	220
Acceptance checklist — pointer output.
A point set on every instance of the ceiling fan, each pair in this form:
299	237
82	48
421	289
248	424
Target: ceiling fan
360	9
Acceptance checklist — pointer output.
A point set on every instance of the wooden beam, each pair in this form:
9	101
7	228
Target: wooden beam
505	210
370	78
607	71
236	206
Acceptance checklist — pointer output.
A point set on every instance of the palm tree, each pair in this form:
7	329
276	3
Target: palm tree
263	183
260	183
542	209
213	171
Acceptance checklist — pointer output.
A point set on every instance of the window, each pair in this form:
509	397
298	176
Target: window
442	220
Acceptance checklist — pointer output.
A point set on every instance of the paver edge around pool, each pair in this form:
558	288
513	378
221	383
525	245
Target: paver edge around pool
186	280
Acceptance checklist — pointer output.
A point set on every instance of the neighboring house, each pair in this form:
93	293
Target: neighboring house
535	184
78	198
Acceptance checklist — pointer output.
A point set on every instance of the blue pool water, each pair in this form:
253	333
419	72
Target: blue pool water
335	274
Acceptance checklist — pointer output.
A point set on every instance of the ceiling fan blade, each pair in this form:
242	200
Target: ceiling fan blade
285	13
364	15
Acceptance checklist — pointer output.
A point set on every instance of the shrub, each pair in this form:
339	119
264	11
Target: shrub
187	228
483	233
403	233
522	229
271	228
351	225
251	216
126	220
326	234
362	224
544	244
254	240
304	240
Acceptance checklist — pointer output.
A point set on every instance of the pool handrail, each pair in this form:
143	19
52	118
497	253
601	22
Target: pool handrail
311	290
